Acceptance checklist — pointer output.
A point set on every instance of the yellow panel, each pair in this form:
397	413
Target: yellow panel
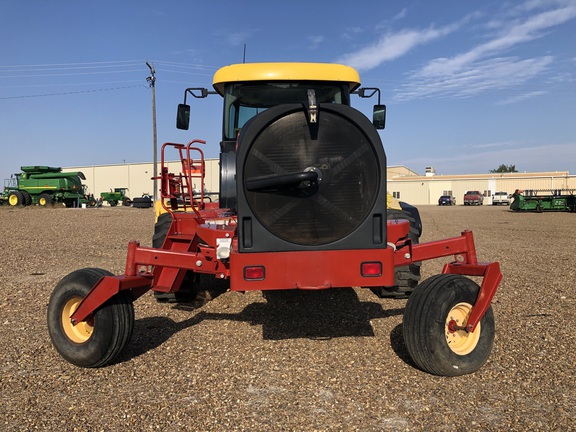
285	72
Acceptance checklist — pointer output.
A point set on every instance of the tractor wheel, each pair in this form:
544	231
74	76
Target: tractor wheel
435	306
99	340
27	199
126	201
15	198
45	200
407	277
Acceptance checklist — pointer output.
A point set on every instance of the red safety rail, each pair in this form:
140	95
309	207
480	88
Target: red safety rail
177	190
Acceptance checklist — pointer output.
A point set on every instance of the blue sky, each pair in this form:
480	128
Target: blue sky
469	85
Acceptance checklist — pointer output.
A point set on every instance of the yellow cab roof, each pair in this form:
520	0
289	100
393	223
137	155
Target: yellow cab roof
244	72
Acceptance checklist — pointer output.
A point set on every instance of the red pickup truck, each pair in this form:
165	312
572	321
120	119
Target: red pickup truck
473	198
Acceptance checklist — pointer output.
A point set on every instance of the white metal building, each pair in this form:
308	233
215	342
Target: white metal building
422	190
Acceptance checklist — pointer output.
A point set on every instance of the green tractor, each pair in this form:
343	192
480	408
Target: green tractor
44	185
115	196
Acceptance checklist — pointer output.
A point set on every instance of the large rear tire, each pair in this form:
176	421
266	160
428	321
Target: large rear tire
99	340
432	310
27	199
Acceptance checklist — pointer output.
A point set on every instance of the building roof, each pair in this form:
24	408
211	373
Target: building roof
400	171
524	175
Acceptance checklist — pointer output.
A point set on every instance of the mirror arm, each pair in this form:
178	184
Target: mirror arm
368	92
198	92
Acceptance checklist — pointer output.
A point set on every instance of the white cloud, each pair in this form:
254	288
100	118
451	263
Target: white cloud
491	74
485	66
393	45
521	97
478	69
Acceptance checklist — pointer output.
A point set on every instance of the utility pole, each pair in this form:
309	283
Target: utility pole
152	81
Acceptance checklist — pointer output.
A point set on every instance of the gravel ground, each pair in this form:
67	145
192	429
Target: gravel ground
320	361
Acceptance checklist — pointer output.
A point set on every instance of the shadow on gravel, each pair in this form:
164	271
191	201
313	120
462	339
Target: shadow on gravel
397	344
290	314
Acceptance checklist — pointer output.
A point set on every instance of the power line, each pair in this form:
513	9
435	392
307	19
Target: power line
68	84
134	62
68	74
71	93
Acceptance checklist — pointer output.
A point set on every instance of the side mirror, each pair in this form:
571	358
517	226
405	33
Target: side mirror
183	117
379	116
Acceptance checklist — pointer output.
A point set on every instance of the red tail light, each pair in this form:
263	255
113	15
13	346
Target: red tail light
254	273
371	269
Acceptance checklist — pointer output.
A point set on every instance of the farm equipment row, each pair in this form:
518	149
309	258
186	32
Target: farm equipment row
302	206
47	186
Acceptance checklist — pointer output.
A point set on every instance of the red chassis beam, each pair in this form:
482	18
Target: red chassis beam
345	265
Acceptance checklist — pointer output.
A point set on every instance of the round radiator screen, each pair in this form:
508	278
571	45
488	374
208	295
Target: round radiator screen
311	183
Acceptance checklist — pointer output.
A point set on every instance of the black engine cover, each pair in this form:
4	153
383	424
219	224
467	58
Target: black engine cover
310	186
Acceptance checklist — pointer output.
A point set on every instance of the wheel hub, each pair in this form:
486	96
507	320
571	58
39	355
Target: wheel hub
459	340
80	332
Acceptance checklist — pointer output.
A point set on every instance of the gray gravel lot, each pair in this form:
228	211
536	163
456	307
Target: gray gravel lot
314	361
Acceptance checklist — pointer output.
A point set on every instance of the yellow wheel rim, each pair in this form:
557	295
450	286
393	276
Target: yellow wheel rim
82	331
13	200
42	201
461	342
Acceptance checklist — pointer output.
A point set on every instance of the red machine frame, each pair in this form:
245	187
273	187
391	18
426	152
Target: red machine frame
202	238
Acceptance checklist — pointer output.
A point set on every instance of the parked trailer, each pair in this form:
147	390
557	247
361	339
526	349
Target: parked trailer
541	200
44	185
306	209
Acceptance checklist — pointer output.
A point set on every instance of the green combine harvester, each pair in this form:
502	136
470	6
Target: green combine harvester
44	185
541	200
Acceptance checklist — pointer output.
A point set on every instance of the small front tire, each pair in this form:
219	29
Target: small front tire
431	311
99	340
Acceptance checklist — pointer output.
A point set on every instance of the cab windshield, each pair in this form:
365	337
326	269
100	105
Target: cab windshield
242	101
